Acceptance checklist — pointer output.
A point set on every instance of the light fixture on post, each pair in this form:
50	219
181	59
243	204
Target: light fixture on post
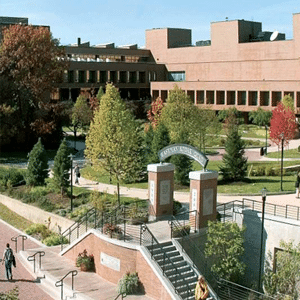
266	150
71	157
264	197
281	169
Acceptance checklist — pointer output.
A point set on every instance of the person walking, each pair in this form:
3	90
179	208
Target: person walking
77	174
201	290
9	260
297	183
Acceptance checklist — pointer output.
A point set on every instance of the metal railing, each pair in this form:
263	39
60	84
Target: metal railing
231	291
289	211
118	218
148	239
195	254
60	283
15	239
33	258
184	220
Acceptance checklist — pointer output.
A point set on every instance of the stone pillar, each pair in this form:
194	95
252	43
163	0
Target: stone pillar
203	197
161	189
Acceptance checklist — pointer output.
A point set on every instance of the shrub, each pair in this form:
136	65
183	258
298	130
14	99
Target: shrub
12	175
182	230
45	204
269	171
129	283
10	295
298	148
38	229
87	260
55	239
79	212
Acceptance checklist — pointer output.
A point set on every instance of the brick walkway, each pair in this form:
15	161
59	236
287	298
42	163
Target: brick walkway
28	287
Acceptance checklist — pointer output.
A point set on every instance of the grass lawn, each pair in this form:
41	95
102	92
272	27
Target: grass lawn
13	219
292	153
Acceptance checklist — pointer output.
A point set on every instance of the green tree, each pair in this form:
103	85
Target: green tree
288	102
234	163
37	169
260	117
285	280
225	246
62	167
177	114
225	113
114	140
206	127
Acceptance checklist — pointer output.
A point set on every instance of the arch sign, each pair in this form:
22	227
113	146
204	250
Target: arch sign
186	150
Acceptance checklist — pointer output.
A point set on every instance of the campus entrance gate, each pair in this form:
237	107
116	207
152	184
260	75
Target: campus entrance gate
203	186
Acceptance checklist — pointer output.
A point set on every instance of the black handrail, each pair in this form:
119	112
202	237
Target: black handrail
15	239
197	254
60	283
123	295
32	258
166	259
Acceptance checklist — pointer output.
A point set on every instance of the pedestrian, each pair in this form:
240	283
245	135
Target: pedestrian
297	183
77	174
201	291
9	260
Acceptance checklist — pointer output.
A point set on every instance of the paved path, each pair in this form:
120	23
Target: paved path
29	287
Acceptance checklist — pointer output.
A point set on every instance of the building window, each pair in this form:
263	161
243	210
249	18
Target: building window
92	76
81	76
132	77
176	76
276	98
123	76
200	97
252	96
220	97
242	97
264	98
142	76
113	76
210	97
70	76
191	95
103	77
230	97
164	95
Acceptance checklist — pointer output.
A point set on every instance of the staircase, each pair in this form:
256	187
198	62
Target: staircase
177	270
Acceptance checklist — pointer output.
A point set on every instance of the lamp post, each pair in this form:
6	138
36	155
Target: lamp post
266	150
281	169
71	157
264	196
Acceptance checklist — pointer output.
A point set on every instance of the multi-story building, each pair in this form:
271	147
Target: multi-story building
241	66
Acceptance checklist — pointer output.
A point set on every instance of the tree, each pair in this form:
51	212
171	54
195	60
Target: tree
177	114
154	113
29	68
234	165
288	102
160	140
285	279
260	117
225	113
283	124
206	127
37	169
114	140
81	115
62	167
225	246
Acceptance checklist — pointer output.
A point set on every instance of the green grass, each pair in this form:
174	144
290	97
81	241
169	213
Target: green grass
293	153
13	219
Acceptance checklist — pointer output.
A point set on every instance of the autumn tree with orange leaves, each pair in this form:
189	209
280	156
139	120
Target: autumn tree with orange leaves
31	63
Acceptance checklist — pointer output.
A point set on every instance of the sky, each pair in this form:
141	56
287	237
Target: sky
124	22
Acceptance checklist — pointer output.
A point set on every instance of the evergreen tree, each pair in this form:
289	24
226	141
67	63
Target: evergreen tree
234	162
160	140
62	166
37	170
148	138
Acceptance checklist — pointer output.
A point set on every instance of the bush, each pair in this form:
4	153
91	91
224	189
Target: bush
269	171
182	230
129	283
298	148
55	239
38	229
10	295
79	212
11	176
45	204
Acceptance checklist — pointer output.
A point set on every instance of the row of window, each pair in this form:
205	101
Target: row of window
106	58
82	76
250	98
